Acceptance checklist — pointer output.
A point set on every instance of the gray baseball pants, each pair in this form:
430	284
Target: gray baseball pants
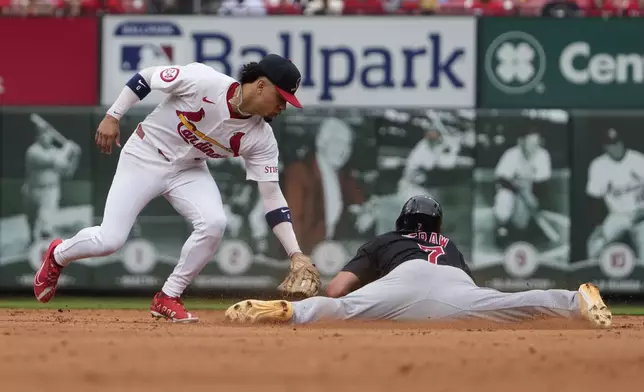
418	290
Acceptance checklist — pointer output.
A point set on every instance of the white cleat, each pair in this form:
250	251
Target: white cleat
256	311
593	308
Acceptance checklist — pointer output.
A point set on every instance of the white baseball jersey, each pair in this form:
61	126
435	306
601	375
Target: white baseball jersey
194	122
620	183
425	156
515	165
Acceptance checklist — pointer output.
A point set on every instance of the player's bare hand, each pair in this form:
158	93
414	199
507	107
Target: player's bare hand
107	134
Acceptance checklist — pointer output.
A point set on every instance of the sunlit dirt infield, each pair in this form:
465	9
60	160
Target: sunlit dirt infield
119	350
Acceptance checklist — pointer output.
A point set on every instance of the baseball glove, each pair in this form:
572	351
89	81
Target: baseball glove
303	279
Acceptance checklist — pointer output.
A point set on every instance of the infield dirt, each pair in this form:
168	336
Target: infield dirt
121	350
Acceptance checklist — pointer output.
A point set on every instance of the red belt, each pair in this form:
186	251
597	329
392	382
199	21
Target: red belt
141	134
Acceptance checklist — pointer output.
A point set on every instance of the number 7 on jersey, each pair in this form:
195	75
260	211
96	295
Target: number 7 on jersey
434	252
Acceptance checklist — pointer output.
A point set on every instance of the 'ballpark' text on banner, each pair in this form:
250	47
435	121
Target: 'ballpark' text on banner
344	61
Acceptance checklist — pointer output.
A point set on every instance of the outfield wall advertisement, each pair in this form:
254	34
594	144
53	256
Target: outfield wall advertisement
344	61
560	63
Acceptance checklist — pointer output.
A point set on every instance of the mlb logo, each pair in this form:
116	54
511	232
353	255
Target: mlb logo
137	57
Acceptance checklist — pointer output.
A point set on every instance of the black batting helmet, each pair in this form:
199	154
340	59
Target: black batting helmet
420	213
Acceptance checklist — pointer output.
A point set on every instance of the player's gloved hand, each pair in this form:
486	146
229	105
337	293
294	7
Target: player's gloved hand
303	279
106	134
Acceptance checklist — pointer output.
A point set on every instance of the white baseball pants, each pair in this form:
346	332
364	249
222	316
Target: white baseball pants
143	174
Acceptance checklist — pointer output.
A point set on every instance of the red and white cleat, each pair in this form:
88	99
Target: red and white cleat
46	277
171	308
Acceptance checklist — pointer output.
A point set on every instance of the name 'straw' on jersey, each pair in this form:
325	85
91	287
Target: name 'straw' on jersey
434	251
194	121
619	183
389	250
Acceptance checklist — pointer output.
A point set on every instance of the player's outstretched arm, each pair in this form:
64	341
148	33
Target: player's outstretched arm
176	80
303	279
358	272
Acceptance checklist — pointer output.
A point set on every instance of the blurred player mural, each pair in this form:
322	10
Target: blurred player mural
521	209
424	152
51	159
46	190
503	177
328	173
608	182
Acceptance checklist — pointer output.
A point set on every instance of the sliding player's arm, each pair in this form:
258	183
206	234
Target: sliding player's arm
358	272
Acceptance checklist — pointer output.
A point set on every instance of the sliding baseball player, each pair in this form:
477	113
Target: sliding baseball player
416	273
207	114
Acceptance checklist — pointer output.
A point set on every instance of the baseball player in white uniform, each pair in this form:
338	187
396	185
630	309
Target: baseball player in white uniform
430	152
616	178
520	168
206	114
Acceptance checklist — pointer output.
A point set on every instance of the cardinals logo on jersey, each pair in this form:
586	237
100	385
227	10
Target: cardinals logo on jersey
191	135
